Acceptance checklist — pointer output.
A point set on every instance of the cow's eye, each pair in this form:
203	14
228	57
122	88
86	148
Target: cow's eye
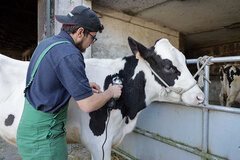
169	69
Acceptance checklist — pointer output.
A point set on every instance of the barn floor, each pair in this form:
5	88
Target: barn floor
9	152
75	151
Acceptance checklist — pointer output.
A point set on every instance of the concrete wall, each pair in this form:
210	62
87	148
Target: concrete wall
63	7
220	50
112	42
47	9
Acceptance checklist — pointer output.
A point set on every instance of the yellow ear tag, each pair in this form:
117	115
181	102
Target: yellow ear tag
138	56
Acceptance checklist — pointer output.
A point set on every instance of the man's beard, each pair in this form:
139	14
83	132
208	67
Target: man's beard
79	46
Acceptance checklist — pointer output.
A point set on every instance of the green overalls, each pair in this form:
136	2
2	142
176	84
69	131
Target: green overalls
40	135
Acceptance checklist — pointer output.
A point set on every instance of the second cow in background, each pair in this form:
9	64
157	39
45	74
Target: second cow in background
230	81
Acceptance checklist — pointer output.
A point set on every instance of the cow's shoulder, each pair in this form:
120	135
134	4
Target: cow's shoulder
131	101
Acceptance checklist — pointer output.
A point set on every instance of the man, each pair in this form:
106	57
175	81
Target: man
57	72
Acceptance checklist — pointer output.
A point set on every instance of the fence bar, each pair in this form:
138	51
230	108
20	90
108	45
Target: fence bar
124	154
178	145
224	109
48	18
205	112
217	59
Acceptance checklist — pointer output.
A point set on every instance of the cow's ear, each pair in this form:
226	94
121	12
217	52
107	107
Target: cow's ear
139	50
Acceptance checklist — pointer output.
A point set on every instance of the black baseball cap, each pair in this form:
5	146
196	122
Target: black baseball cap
83	17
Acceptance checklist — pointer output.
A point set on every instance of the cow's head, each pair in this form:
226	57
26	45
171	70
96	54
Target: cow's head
169	64
227	73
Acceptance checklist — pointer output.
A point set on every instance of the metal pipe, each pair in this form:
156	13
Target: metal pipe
206	84
210	107
205	112
218	108
179	145
124	154
224	109
48	19
217	59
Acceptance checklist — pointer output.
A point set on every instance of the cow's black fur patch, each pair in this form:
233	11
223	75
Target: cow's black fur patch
9	120
131	101
164	68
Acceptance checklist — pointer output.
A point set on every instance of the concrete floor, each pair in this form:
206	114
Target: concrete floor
75	151
8	151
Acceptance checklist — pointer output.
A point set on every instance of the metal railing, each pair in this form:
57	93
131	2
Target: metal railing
205	120
206	107
206	85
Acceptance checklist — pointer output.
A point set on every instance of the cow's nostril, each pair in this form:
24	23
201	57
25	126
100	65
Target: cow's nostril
200	98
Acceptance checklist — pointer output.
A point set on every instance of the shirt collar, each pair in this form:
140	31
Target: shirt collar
66	36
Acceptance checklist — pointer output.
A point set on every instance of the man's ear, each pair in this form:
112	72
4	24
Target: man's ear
139	50
80	32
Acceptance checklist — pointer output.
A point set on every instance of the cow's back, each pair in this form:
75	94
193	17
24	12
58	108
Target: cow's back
12	83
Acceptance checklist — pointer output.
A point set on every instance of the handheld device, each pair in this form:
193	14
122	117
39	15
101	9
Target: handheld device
115	81
110	105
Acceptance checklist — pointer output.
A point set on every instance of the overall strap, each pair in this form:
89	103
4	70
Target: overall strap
39	60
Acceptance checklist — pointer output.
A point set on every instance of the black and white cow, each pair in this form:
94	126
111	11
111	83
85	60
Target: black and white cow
140	74
230	81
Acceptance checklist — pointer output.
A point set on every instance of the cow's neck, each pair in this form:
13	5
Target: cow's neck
133	95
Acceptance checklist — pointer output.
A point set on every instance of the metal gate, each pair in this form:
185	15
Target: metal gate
171	131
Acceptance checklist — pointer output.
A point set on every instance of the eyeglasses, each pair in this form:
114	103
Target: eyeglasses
93	37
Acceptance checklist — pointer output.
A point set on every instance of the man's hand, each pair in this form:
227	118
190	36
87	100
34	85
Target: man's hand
95	87
116	90
96	101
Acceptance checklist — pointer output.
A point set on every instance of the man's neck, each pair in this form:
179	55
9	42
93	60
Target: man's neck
74	37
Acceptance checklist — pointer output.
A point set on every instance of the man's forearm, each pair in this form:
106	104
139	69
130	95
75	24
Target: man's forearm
95	101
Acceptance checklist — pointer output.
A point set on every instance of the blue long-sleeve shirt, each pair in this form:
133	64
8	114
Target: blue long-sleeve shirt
60	75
